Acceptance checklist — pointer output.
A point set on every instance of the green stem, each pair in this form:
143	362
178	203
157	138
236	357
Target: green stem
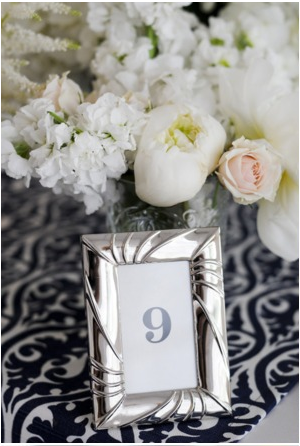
186	206
57	119
4	18
151	34
215	197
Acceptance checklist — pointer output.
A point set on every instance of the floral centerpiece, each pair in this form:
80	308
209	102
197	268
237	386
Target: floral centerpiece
161	94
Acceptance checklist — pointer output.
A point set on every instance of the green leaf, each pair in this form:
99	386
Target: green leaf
242	41
36	16
149	106
224	63
120	58
73	45
216	41
4	18
75	13
151	34
23	150
215	197
57	119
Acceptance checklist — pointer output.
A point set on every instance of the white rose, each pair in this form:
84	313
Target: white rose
179	147
65	94
250	170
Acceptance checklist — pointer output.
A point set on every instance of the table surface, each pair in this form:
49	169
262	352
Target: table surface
46	396
281	425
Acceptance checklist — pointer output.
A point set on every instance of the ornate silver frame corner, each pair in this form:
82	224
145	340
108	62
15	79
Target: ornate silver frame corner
102	254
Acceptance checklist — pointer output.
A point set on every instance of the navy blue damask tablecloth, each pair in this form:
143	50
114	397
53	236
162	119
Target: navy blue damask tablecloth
45	382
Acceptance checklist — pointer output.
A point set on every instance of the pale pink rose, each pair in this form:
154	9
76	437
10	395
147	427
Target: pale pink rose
65	94
250	170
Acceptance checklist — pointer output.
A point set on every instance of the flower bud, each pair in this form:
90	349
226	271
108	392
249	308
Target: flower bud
65	94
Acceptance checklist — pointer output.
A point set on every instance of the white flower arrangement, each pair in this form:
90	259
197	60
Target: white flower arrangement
172	99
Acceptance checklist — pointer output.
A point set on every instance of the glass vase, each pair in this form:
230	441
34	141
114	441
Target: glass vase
207	208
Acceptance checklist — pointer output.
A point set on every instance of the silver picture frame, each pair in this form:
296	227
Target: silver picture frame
102	255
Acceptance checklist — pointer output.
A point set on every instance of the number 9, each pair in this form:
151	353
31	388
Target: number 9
165	324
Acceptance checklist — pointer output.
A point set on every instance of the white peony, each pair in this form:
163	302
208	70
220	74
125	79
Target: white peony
179	147
277	222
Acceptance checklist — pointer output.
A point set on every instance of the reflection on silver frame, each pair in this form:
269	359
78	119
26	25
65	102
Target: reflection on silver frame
102	253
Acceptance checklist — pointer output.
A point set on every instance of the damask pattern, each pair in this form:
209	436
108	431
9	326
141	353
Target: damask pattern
45	381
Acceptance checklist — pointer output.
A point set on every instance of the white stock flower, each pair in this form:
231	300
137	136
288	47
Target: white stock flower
91	199
28	132
51	168
58	136
86	160
244	32
179	147
260	110
216	48
174	29
264	24
122	23
65	94
76	155
14	165
9	131
99	15
169	82
269	31
111	118
30	121
98	153
127	61
158	81
51	161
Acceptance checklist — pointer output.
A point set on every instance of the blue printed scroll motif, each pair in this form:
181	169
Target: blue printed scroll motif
45	381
